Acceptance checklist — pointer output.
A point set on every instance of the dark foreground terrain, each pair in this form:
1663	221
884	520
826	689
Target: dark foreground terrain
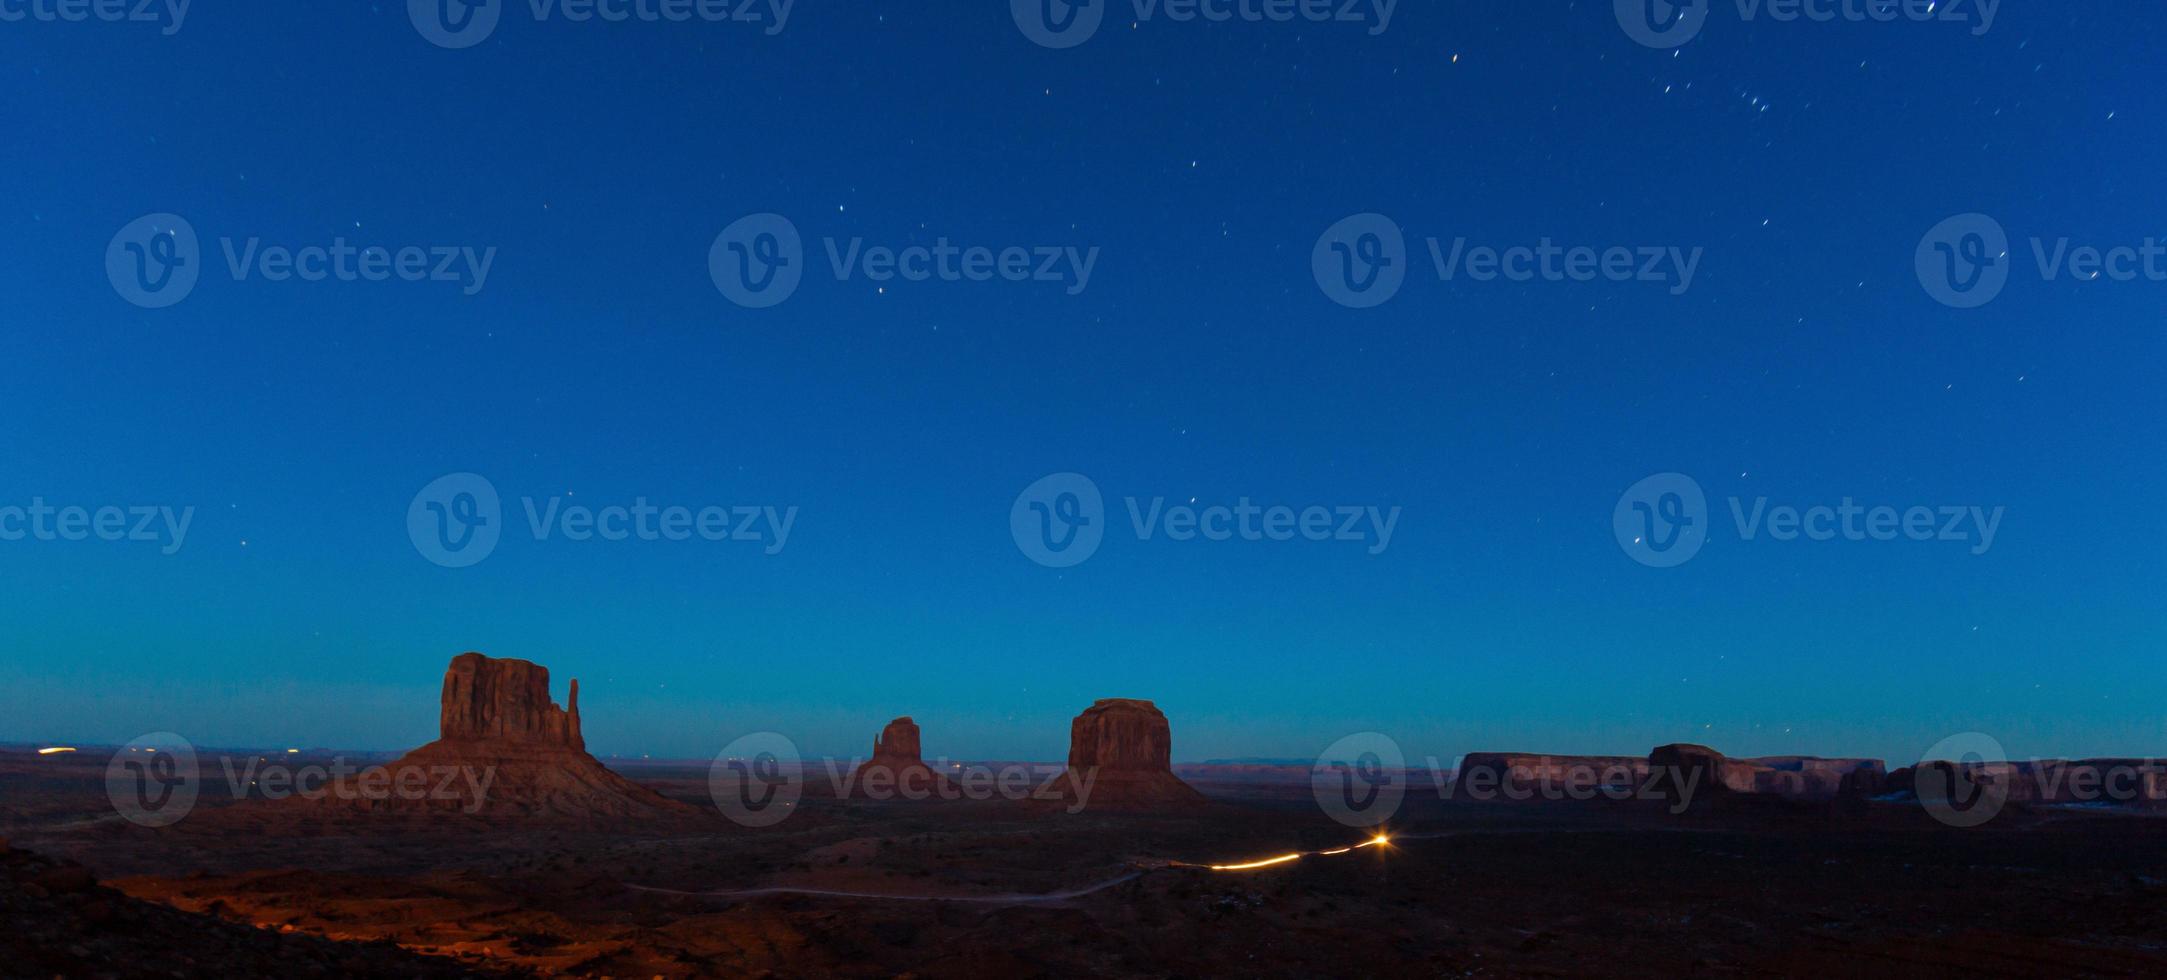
1755	888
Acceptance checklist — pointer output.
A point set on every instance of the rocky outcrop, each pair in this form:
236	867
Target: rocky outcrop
507	752
897	770
507	701
56	920
1663	774
1814	778
2138	783
1120	756
1683	774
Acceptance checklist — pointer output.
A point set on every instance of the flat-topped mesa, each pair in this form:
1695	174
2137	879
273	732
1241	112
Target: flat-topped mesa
487	699
1120	754
1121	735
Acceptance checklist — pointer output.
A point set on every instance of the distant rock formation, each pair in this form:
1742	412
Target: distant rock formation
2138	783
897	770
1520	776
1523	776
1684	773
507	701
1120	756
507	752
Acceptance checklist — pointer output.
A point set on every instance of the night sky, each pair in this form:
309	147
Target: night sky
599	363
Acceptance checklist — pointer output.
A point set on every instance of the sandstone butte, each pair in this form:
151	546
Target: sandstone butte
897	770
1120	752
497	719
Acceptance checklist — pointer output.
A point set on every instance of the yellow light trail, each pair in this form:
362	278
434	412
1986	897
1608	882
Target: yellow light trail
55	750
1266	863
1377	841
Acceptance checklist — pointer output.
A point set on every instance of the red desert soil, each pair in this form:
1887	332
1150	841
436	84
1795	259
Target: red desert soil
1751	888
56	920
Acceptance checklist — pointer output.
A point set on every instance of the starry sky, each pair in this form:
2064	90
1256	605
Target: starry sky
600	363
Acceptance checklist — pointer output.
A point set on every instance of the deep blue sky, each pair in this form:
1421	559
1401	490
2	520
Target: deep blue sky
1805	363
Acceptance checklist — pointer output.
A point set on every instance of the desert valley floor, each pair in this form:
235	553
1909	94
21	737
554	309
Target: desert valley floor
1751	887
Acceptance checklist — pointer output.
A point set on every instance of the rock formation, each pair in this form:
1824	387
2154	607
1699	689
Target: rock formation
2138	783
56	920
1522	776
508	701
506	751
1684	774
1120	756
897	770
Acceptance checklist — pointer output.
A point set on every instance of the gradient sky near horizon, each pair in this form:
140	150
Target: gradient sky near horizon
1805	364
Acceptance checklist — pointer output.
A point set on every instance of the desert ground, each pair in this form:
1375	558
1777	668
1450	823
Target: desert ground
1749	887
